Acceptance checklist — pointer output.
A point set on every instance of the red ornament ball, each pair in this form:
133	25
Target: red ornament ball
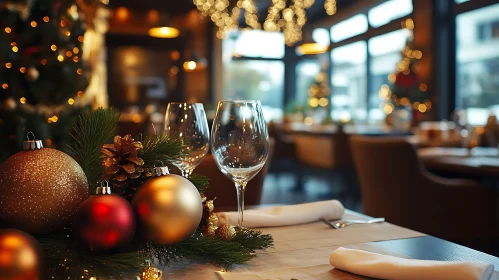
20	256
104	222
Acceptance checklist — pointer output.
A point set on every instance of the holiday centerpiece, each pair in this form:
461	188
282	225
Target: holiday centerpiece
138	212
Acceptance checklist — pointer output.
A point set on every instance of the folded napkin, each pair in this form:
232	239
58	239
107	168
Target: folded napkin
391	268
286	215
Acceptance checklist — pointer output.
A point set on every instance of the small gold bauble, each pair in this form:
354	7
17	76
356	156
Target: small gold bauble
209	230
169	209
40	189
225	232
151	273
213	219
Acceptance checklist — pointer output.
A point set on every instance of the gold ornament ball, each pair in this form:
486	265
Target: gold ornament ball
151	273
20	256
169	209
40	190
225	232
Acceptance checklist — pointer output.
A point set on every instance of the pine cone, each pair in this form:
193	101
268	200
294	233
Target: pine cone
122	161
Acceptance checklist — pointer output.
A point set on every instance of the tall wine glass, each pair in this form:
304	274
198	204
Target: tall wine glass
240	144
188	121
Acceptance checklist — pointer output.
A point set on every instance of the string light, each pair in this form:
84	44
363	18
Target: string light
44	61
53	48
71	101
34	24
22	100
79	71
80	93
60	58
46	19
7	30
68	33
75	59
15	49
5	86
8	65
423	87
80	39
69	54
330	6
76	50
63	23
22	70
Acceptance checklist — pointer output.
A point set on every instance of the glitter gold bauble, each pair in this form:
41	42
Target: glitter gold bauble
20	256
225	232
209	230
169	209
40	189
151	273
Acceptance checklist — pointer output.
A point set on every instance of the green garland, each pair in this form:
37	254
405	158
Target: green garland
67	259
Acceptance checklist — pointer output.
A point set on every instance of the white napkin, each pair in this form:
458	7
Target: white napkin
286	215
391	268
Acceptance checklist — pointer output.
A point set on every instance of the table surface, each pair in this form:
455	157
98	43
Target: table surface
481	163
302	252
357	129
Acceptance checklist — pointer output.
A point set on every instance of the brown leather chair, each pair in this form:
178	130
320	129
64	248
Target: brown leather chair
223	188
395	185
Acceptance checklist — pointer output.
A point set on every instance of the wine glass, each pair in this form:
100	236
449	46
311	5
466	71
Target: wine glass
188	121
240	144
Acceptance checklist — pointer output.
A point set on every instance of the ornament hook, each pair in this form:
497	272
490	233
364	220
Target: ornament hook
103	189
32	144
160	171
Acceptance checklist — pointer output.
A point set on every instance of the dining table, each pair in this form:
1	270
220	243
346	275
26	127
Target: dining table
301	252
479	162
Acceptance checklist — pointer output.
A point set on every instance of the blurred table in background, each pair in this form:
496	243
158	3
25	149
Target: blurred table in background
350	129
480	163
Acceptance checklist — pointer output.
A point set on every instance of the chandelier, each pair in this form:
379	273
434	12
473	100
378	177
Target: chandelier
281	17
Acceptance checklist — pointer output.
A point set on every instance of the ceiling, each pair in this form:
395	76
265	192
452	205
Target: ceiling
181	7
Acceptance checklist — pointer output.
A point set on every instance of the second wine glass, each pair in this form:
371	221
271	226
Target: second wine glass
240	144
188	121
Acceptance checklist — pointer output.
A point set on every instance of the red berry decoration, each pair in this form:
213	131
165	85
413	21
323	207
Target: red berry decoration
104	221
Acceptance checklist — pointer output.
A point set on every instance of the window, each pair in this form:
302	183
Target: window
388	11
477	88
254	43
461	1
256	79
349	78
321	35
348	28
306	71
385	54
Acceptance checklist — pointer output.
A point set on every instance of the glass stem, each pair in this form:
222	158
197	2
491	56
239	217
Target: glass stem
240	187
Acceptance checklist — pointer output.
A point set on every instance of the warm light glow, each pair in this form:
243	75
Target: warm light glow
71	101
63	23
15	49
53	48
80	93
136	118
415	105
308	121
175	55
80	39
76	50
46	19
5	86
68	33
69	54
423	87
153	16
7	30
313	102
54	118
44	61
164	32
409	23
312	48
75	59
427	103
422	108
22	100
79	71
323	102
33	24
60	58
8	65
190	65
22	69
388	108
122	13
174	70
418	54
392	78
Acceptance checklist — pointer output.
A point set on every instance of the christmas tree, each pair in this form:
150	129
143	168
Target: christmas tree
318	100
42	75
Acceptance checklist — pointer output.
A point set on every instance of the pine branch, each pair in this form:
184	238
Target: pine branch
161	148
201	182
252	239
90	132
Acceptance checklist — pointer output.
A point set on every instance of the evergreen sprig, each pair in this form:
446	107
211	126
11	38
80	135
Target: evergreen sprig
200	181
90	132
159	147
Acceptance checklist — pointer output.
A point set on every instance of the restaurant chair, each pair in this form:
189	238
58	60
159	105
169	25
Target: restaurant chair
224	189
395	185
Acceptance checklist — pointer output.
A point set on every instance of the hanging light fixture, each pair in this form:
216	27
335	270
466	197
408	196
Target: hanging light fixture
164	29
196	62
310	47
